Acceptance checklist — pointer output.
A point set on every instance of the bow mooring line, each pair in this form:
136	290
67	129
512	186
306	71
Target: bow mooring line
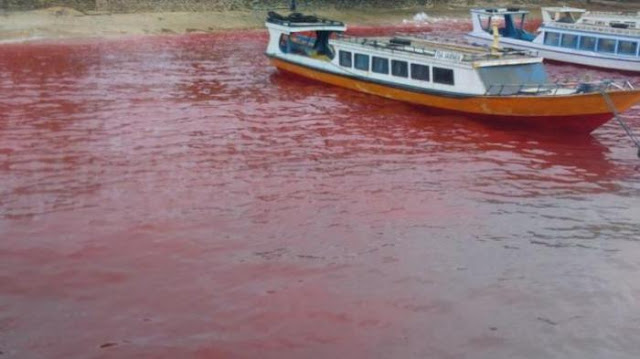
624	125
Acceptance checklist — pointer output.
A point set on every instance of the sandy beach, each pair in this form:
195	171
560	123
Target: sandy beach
62	22
58	22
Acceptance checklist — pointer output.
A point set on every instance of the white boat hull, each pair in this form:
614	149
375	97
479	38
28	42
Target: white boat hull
560	54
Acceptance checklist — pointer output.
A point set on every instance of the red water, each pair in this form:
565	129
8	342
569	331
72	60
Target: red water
178	197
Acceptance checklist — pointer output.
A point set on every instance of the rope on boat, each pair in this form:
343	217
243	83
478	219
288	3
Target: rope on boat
613	109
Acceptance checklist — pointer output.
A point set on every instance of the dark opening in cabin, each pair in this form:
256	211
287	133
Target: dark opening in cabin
380	65
361	62
345	58
627	47
587	43
311	44
443	76
420	72
399	68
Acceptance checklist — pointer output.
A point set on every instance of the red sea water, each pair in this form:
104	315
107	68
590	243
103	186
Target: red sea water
178	197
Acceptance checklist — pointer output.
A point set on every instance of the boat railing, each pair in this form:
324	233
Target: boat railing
459	56
631	15
598	28
556	88
385	45
300	20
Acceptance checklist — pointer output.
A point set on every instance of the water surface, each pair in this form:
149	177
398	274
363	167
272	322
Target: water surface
178	197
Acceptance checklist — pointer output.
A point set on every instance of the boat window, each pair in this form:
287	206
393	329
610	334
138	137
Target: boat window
443	76
399	68
606	45
380	65
361	62
569	41
627	47
345	58
551	38
510	79
420	72
587	43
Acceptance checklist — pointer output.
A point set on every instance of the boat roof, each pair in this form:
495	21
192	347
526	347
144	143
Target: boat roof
499	11
297	22
563	9
445	50
605	15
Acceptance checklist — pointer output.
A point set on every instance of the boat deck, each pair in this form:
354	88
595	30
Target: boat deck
595	28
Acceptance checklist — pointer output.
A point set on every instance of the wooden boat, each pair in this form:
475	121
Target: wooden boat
597	39
496	85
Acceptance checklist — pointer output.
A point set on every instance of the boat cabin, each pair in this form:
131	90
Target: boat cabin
304	35
609	35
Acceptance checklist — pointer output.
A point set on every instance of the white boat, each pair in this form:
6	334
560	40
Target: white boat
598	39
490	84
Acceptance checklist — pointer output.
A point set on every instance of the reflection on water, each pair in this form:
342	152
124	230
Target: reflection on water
164	196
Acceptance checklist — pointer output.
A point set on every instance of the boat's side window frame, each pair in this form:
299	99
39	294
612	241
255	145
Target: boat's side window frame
569	41
626	47
380	65
587	43
604	45
420	72
551	38
361	62
399	68
345	58
485	22
443	76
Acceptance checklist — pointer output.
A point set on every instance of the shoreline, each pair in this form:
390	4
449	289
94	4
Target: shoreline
65	23
57	23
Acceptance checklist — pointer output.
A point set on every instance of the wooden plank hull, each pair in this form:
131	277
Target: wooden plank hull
580	113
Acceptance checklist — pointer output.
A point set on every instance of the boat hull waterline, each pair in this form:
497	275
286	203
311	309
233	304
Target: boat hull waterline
577	113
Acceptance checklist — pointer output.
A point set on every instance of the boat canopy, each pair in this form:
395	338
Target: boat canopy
513	22
500	11
297	22
301	34
569	15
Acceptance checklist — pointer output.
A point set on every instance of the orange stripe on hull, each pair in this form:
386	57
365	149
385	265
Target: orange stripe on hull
576	113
